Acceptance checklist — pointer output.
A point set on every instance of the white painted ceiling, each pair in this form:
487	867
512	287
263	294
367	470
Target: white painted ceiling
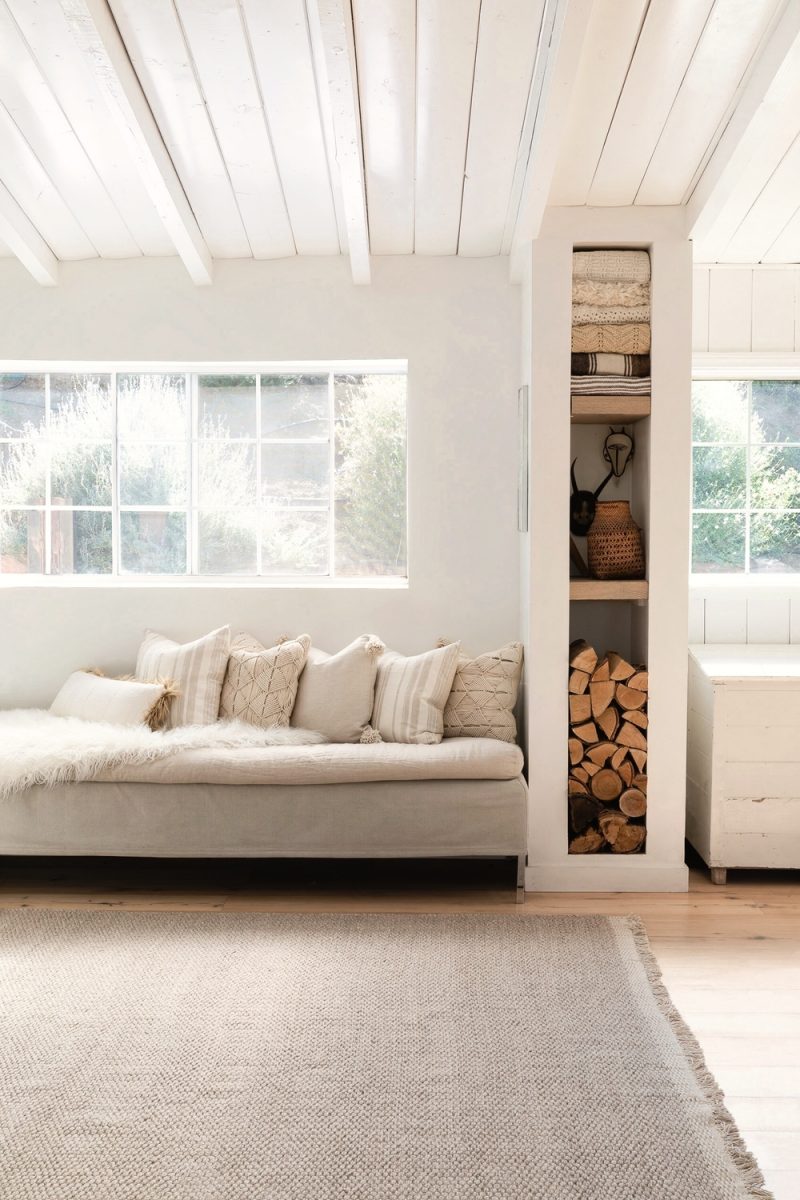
267	128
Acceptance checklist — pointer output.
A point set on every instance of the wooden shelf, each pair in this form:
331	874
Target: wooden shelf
608	589
609	410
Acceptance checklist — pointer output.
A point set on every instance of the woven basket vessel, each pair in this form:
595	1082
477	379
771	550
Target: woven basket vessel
614	543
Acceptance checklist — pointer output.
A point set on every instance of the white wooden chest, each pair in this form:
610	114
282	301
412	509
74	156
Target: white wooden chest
743	764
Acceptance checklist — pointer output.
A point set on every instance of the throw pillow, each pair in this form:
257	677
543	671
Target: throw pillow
90	696
484	693
196	669
337	691
261	683
410	695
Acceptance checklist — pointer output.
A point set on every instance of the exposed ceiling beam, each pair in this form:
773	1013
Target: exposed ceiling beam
331	23
93	27
721	170
561	41
25	241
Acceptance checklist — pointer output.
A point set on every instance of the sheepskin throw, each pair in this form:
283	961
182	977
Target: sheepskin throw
610	293
629	266
484	693
611	339
261	684
40	749
337	691
196	669
634	365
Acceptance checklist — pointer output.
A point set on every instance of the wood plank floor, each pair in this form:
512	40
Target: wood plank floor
730	955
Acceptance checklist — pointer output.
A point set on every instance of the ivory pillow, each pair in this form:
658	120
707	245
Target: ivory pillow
195	668
261	683
410	695
93	697
484	693
337	691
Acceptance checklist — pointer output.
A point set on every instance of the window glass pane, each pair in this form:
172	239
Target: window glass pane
23	469
227	405
227	474
152	543
80	543
152	407
775	411
153	474
81	474
775	542
719	410
21	542
294	406
775	477
719	476
22	405
81	407
227	543
718	542
295	474
294	543
370	474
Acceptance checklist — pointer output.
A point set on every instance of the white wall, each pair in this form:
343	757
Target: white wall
753	315
455	320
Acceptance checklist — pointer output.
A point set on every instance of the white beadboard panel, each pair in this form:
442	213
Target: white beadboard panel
773	310
730	309
767	619
447	38
385	33
794	617
697	618
700	289
725	618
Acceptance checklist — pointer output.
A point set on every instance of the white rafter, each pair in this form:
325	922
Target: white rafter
93	27
25	241
331	23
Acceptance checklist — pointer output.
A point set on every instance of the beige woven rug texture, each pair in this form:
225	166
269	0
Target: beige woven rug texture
197	1056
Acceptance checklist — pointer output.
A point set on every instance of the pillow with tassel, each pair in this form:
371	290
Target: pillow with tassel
336	691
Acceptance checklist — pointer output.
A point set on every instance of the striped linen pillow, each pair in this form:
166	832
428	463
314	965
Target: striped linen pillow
196	669
410	695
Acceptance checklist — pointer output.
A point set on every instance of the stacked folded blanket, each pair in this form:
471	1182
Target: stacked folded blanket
611	322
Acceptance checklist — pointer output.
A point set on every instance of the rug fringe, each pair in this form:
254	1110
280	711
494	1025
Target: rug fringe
743	1159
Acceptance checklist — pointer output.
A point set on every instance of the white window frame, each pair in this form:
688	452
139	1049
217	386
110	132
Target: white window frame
257	367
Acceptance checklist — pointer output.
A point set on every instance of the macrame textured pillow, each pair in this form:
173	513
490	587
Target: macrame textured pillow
261	683
196	670
484	693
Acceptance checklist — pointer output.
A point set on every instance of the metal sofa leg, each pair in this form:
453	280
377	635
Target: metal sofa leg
521	878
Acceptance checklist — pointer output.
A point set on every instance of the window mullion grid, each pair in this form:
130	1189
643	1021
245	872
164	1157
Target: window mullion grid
258	511
193	520
115	521
331	476
747	481
48	486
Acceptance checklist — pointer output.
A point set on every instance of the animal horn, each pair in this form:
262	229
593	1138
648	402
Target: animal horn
575	487
603	484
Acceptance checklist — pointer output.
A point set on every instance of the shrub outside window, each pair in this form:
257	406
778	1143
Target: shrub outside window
746	476
273	473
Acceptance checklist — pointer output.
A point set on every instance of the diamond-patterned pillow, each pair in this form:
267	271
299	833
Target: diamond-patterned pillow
261	683
484	693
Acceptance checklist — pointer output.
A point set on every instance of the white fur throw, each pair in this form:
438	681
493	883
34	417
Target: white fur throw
38	748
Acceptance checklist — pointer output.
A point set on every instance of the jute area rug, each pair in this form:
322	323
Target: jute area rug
183	1056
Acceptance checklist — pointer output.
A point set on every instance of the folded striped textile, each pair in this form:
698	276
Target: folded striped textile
629	266
610	292
599	314
609	385
611	339
631	365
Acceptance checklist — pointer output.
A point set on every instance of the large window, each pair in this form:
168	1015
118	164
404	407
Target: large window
177	473
746	476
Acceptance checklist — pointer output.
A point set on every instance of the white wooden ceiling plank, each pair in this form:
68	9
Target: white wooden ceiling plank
385	32
25	241
33	190
726	48
611	37
786	246
770	213
63	65
669	35
155	43
447	38
27	98
509	34
281	46
220	52
331	28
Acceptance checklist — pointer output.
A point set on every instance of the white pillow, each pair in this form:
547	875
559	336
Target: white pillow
195	668
261	683
410	695
337	692
93	697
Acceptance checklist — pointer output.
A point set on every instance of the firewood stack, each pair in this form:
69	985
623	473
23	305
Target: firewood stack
607	753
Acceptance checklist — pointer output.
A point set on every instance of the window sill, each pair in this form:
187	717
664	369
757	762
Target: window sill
98	582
